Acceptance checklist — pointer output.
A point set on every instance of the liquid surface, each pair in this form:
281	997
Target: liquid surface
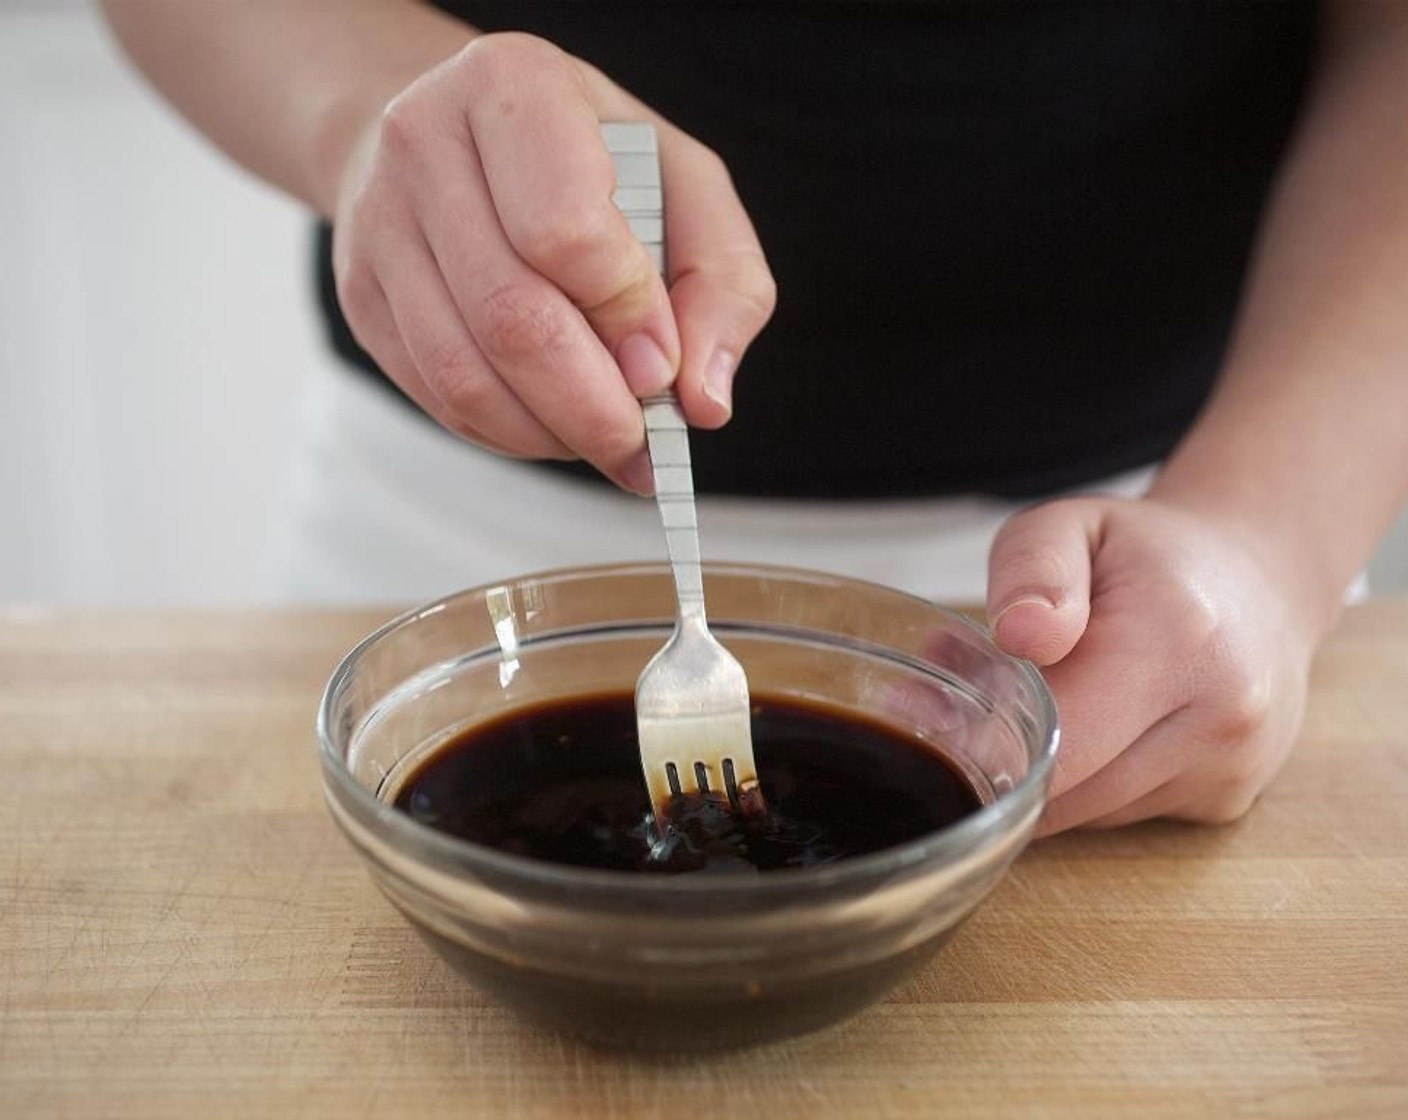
562	782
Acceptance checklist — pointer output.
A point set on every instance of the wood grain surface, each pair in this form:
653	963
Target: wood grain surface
184	933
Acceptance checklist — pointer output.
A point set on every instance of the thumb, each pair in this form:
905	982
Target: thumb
720	285
1039	580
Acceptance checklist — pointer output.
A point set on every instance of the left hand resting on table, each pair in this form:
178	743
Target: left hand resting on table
1177	661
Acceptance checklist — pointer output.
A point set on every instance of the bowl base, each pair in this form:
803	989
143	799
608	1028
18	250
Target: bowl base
714	1018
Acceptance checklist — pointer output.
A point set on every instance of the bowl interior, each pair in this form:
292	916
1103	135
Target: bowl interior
925	672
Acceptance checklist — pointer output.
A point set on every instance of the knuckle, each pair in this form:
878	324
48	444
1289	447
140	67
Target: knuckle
456	425
1243	704
494	67
358	292
1241	770
1235	767
605	443
746	276
745	270
1205	617
448	368
565	236
469	397
501	56
1198	631
759	289
1227	804
619	296
517	323
405	128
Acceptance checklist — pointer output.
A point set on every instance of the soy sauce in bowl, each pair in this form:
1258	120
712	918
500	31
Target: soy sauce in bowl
561	782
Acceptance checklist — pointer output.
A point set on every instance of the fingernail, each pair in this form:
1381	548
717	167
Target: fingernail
638	476
718	377
644	366
1024	600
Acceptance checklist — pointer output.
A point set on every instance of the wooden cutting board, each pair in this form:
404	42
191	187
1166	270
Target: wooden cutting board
183	932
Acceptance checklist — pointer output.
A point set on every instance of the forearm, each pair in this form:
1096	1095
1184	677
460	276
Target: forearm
1304	446
284	88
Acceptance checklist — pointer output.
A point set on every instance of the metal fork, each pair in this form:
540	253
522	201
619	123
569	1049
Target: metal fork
693	715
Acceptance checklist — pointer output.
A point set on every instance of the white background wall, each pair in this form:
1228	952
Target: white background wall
156	331
156	328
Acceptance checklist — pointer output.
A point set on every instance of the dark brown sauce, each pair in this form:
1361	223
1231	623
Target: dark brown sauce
561	782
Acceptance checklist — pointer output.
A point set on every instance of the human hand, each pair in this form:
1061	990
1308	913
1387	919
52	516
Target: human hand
480	260
1173	646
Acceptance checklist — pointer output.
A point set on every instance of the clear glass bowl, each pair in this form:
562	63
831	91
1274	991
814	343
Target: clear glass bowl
702	961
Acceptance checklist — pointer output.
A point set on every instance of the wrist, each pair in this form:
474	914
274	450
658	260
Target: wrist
343	137
1305	575
344	126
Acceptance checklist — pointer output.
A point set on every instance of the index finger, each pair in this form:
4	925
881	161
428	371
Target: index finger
1109	691
551	180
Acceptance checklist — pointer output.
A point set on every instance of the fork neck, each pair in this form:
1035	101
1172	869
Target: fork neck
689	591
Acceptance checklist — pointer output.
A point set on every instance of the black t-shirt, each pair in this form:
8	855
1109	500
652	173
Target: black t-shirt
1008	237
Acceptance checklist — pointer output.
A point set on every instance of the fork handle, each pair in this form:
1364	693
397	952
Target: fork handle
668	439
635	158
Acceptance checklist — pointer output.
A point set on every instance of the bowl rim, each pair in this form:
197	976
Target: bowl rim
445	853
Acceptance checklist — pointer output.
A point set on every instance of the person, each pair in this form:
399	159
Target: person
1023	250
